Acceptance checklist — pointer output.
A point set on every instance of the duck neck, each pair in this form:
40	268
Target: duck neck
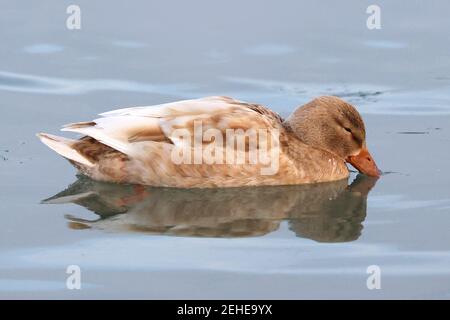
295	124
305	127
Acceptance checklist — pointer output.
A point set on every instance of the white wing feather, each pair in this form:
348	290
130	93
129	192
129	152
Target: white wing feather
117	128
178	108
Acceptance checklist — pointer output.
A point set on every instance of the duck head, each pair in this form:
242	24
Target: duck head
331	124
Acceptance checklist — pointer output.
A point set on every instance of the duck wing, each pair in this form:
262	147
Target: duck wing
125	130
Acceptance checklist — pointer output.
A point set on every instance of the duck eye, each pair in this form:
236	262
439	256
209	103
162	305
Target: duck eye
348	130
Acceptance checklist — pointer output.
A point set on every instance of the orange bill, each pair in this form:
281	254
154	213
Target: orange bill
364	163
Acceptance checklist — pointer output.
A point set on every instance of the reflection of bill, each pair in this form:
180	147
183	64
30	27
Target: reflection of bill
325	212
234	147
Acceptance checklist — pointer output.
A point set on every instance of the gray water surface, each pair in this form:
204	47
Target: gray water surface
287	242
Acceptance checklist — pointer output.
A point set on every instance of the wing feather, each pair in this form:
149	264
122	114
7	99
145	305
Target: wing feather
124	129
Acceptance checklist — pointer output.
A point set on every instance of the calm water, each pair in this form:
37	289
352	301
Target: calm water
287	242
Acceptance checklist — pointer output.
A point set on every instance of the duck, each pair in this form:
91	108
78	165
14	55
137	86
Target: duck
218	142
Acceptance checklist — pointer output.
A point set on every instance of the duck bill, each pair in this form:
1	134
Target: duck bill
364	163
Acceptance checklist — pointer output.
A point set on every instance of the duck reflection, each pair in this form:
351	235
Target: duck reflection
325	212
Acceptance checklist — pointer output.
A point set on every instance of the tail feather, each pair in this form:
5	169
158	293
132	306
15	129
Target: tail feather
63	146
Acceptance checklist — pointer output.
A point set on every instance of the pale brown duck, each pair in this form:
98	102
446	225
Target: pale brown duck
185	144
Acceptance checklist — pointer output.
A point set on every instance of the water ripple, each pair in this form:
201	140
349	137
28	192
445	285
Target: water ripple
43	48
374	99
173	253
269	50
385	44
17	82
129	44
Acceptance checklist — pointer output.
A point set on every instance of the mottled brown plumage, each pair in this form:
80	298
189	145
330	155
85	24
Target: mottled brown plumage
136	145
